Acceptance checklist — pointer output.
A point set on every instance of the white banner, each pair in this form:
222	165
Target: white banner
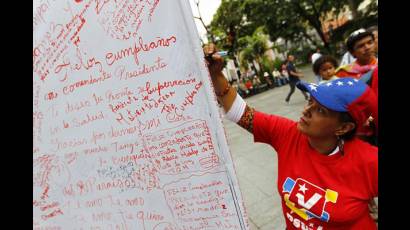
126	128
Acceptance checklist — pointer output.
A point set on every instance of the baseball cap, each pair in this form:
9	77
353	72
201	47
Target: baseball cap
356	36
315	56
344	95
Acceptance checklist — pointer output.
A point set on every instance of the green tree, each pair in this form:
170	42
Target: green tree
287	19
291	19
254	48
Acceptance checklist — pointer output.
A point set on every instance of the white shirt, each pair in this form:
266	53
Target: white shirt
347	59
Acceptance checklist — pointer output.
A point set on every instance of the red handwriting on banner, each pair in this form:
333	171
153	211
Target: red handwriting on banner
131	219
181	149
123	74
141	175
47	227
87	82
115	133
88	118
50	96
68	144
71	157
80	188
77	106
112	96
123	20
152	9
200	203
165	226
36	95
99	4
48	51
55	43
154	97
189	99
98	149
148	104
127	147
139	181
37	126
43	165
135	50
39	12
79	62
122	104
148	89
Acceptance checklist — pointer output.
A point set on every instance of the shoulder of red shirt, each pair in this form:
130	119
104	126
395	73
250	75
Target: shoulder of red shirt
361	151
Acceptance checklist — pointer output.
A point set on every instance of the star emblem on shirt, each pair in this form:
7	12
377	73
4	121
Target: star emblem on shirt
302	188
329	84
355	80
312	87
339	83
350	83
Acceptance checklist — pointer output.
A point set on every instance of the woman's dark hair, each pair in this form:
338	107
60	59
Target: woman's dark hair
345	117
322	60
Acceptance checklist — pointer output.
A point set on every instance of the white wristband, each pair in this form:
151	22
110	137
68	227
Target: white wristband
236	111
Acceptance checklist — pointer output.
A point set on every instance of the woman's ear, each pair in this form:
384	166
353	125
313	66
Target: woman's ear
344	128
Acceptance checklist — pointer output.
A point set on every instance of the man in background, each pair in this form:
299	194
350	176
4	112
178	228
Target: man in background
294	77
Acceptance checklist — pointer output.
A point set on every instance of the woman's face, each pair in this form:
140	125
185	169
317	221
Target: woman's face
317	121
327	70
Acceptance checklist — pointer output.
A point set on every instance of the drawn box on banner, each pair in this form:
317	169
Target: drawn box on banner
202	202
185	149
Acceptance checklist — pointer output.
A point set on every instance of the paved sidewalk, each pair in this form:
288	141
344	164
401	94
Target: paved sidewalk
256	164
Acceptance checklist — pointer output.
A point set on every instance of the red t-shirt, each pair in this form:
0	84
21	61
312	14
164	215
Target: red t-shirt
375	81
320	191
248	84
356	70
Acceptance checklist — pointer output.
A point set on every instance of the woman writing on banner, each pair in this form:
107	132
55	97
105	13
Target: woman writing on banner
326	176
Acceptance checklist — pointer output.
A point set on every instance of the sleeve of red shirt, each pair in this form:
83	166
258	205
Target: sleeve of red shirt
373	166
375	87
370	161
271	129
375	81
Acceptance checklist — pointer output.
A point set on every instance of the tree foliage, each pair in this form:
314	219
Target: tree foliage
290	20
253	47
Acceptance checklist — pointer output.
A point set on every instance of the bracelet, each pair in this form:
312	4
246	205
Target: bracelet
226	90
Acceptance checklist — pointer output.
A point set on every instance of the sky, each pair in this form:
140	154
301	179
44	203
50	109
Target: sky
208	9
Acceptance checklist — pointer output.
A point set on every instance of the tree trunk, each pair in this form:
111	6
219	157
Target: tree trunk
203	23
307	36
314	21
254	68
235	62
353	5
322	37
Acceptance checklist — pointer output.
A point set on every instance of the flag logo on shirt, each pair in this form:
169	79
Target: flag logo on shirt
308	200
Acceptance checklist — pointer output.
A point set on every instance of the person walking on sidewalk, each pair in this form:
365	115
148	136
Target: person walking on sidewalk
294	77
326	176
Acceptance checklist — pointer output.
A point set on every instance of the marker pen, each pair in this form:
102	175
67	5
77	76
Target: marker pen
221	53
